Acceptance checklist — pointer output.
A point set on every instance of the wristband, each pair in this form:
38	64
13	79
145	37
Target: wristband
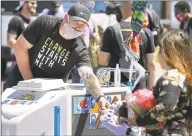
100	97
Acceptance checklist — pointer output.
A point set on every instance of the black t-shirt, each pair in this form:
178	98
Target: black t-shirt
188	28
147	45
110	45
17	24
52	56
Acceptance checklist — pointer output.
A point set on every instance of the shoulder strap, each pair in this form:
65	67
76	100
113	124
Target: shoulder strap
119	36
149	35
147	32
153	19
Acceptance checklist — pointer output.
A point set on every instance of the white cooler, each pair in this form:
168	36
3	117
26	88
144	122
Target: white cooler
27	112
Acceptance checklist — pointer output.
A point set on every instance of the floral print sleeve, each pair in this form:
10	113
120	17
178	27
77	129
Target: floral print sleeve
170	103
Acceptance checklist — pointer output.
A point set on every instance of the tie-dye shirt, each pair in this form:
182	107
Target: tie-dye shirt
171	94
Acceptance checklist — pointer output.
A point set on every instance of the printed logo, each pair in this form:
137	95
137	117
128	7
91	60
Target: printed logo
5	102
83	13
25	25
14	102
29	103
22	102
50	54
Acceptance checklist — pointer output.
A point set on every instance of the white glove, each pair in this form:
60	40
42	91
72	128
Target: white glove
109	114
110	122
115	106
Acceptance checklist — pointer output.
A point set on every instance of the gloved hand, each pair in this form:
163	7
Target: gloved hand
109	114
111	122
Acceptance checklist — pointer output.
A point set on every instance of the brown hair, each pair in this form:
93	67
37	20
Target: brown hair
177	51
176	48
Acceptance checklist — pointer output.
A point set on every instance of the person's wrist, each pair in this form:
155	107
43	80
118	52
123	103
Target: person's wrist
100	97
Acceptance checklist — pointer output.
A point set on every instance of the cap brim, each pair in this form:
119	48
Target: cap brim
79	19
18	8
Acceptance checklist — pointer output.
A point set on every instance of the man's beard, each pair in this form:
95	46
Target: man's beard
31	11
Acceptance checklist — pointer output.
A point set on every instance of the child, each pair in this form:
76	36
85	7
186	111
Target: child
136	104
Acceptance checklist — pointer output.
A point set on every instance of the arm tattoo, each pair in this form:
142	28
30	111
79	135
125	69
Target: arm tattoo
90	80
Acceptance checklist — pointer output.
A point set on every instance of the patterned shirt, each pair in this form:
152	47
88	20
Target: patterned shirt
171	94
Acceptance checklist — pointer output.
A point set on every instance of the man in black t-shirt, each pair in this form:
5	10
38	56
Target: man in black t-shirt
16	25
110	50
19	22
49	47
182	13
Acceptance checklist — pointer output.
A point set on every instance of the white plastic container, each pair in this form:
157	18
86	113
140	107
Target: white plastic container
117	76
37	118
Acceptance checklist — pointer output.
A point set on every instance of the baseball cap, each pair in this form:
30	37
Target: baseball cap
21	2
79	12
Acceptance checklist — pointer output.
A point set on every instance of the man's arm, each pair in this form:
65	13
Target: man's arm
92	84
90	80
150	66
104	58
107	46
21	53
14	27
11	39
29	37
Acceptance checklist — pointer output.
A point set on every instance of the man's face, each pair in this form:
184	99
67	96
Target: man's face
180	16
125	7
31	6
78	25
